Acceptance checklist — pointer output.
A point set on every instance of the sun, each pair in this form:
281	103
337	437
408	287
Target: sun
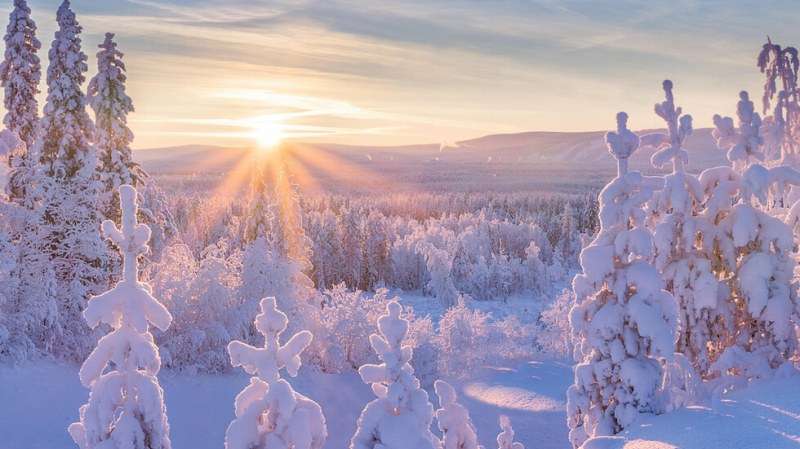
268	135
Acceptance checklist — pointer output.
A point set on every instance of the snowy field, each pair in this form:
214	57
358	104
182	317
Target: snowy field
200	407
530	393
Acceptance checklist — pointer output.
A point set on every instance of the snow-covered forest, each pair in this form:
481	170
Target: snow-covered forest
442	308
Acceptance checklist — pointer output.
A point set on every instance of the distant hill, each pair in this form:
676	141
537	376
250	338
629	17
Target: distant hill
531	160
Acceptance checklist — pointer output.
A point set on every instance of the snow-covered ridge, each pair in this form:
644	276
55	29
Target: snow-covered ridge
548	148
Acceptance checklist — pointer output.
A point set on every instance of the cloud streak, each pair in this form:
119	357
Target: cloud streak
366	72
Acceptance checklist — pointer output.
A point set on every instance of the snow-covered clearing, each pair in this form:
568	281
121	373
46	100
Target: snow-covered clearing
532	394
41	400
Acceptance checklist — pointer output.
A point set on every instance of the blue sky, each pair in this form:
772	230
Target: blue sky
374	72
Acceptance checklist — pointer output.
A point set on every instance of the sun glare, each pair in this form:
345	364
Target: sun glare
268	136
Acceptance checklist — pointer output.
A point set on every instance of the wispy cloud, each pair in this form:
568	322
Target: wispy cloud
361	71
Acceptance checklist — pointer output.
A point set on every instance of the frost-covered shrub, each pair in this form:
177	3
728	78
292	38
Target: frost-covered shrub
553	336
623	320
453	420
269	413
400	418
203	298
421	337
343	326
511	339
126	404
461	330
347	319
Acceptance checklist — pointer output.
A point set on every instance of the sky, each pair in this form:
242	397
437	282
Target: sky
371	72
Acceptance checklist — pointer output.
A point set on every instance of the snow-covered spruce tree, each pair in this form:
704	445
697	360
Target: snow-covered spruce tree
400	418
685	268
505	439
457	429
20	73
269	413
66	126
112	137
33	310
753	258
78	256
751	254
126	405
376	251
623	320
70	214
439	264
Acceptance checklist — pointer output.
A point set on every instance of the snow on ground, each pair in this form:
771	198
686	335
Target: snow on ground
763	416
39	402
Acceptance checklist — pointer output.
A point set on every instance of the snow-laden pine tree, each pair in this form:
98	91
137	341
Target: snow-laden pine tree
751	250
20	73
400	418
439	264
66	127
505	439
623	320
269	413
16	344
685	269
126	404
112	137
377	250
79	256
453	419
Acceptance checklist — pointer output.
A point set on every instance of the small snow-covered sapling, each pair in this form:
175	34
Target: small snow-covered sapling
269	413
505	440
457	429
126	405
401	416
